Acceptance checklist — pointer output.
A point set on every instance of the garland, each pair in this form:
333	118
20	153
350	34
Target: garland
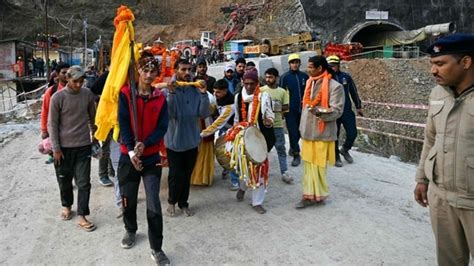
256	104
322	98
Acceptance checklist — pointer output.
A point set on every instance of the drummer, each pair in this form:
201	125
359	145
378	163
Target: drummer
223	116
245	102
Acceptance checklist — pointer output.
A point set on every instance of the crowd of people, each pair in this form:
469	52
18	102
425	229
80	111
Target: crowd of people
179	124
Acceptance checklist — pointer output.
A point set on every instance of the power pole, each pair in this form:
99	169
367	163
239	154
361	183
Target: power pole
85	43
47	38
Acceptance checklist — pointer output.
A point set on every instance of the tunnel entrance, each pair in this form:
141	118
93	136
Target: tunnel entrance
366	32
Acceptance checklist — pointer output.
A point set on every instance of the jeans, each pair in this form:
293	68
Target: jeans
105	164
76	164
129	180
181	165
114	158
348	120
234	178
280	147
293	119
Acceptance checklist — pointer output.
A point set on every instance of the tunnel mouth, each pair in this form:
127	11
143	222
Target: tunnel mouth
365	32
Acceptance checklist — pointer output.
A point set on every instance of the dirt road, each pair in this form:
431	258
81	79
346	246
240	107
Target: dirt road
369	219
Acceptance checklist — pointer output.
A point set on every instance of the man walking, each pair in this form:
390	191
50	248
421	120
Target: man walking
61	69
445	175
348	119
71	125
185	106
323	103
294	81
140	155
280	104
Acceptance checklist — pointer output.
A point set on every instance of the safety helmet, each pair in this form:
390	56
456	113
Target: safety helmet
333	59
293	57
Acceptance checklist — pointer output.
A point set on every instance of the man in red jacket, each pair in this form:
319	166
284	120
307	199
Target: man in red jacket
61	69
140	156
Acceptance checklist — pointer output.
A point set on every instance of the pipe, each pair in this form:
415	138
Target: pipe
440	28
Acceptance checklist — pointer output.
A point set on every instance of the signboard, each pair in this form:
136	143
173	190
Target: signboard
375	14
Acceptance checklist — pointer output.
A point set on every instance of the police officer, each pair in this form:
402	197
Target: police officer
347	119
445	175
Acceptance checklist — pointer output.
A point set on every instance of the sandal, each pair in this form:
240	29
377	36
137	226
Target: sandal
66	214
86	226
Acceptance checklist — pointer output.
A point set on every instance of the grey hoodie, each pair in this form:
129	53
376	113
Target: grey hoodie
185	107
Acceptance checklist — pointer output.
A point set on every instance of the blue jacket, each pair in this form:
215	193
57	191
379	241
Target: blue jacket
350	91
232	84
185	106
294	82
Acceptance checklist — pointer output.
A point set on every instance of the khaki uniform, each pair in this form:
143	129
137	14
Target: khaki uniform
447	165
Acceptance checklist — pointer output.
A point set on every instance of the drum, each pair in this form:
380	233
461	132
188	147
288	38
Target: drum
219	150
255	145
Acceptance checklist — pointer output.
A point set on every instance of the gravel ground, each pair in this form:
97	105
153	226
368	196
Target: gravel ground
370	218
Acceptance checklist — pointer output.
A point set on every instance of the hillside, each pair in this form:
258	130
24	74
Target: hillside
169	20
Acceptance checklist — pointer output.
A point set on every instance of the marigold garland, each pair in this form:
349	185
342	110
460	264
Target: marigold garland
255	105
322	98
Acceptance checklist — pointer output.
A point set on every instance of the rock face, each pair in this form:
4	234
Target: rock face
333	19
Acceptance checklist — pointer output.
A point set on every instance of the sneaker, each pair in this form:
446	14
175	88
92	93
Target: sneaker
128	240
285	177
338	163
296	160
259	209
240	195
160	257
234	187
105	181
50	160
346	155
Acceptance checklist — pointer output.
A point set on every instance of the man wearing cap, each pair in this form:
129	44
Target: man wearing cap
229	76
445	175
245	101
294	81
347	119
70	127
201	74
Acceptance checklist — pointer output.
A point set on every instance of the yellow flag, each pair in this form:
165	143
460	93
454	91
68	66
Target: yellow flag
107	111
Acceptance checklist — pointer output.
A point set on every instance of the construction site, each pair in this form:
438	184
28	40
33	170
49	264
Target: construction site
371	217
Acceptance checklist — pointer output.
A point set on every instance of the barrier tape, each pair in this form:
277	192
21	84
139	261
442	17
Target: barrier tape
389	134
393	121
400	105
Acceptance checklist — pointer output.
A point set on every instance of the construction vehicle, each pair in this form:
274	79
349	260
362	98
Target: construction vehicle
305	41
343	51
188	48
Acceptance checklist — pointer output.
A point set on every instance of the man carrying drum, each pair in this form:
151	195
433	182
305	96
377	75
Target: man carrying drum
224	117
253	122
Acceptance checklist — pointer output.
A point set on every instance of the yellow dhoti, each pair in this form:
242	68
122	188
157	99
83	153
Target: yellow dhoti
315	156
203	172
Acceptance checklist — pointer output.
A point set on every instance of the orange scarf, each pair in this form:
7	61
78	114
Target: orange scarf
321	99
